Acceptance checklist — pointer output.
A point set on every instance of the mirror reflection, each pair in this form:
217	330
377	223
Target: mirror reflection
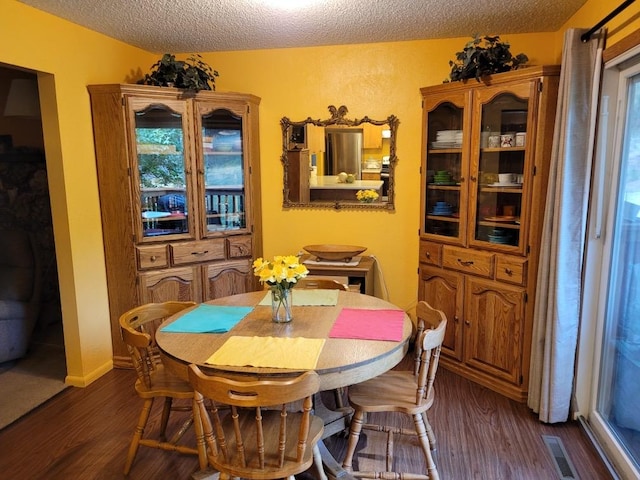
339	162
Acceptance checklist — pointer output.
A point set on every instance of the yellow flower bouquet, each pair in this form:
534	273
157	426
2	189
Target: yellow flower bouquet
367	196
280	274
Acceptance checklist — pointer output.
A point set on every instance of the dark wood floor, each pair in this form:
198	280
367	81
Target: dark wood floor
84	434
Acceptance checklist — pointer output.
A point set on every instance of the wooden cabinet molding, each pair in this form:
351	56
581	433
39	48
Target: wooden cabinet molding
201	246
480	242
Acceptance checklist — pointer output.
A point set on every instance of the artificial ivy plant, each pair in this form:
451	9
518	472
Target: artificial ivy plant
191	74
484	55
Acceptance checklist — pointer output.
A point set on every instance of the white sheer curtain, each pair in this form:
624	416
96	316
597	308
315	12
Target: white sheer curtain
559	287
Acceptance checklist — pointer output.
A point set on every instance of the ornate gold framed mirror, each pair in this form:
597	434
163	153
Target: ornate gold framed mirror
339	162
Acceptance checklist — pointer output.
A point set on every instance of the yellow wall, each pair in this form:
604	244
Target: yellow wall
595	10
372	79
69	58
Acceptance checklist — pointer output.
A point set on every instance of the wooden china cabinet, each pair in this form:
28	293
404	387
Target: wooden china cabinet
485	164
179	182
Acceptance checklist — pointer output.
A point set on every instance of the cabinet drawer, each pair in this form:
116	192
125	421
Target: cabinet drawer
430	253
154	256
239	246
200	251
511	269
469	261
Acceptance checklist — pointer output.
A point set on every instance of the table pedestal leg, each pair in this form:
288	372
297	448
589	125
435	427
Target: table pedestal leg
208	474
335	421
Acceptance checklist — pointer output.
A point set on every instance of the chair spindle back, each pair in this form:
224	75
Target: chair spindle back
138	327
257	440
432	324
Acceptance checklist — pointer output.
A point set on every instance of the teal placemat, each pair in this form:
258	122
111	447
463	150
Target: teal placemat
208	319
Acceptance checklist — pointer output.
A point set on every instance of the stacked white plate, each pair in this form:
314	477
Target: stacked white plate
448	139
498	184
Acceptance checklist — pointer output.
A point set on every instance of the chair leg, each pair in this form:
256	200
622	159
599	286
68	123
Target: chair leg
354	435
198	407
426	449
137	435
430	435
166	411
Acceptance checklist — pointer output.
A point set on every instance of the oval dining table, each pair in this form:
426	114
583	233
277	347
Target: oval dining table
341	362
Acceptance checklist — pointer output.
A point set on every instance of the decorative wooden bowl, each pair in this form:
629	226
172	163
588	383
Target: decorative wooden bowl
334	252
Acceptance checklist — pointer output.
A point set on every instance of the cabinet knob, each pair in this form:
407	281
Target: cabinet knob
428	255
465	263
456	319
200	253
472	178
467	323
461	179
153	258
508	271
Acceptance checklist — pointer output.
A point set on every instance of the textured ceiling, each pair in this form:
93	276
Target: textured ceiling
181	26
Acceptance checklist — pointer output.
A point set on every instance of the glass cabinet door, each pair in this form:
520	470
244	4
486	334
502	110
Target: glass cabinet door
223	146
160	179
446	170
499	168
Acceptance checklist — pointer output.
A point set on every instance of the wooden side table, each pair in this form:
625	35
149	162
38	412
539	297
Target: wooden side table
361	274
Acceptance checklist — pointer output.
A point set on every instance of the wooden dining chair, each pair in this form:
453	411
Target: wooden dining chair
138	327
255	440
321	283
410	393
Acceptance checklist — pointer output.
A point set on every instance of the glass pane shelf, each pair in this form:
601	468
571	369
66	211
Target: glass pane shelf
503	149
487	188
443	218
440	151
512	226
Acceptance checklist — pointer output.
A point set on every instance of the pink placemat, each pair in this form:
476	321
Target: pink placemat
368	324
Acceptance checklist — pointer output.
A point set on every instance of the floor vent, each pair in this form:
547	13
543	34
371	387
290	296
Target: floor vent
563	465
